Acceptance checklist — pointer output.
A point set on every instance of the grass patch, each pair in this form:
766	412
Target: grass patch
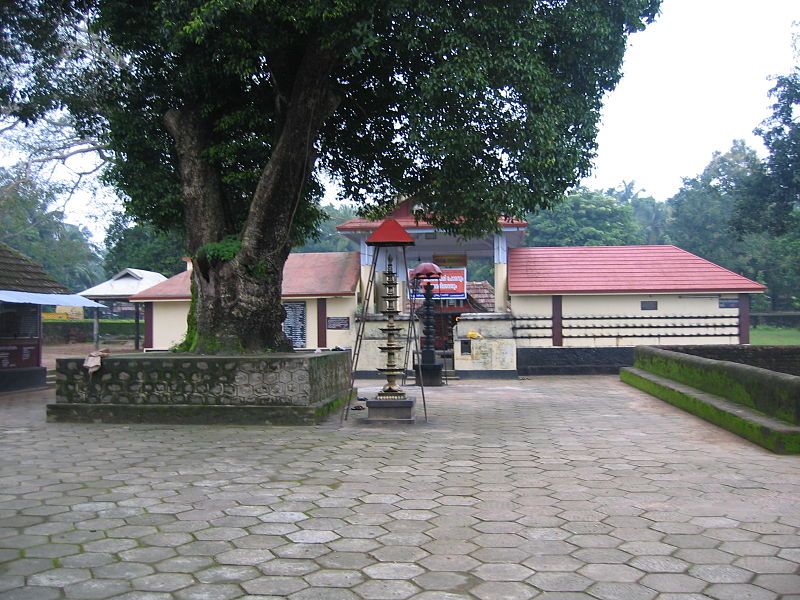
768	335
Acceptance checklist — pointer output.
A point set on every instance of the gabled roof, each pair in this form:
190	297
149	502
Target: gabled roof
618	269
481	293
177	287
321	274
304	275
20	274
124	284
404	215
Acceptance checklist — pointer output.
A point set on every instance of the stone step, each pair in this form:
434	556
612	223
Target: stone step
770	433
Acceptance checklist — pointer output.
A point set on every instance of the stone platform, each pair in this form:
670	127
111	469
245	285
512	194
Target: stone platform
156	387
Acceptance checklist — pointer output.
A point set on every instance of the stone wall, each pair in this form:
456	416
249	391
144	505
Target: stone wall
572	361
165	387
783	359
774	394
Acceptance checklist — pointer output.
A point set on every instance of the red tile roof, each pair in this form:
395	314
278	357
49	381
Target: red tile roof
618	269
404	215
307	274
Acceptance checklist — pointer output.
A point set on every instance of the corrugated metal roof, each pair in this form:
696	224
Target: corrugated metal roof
20	274
620	269
304	274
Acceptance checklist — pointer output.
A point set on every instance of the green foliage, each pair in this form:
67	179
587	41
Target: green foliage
137	246
477	108
223	251
31	224
703	221
189	342
584	218
325	238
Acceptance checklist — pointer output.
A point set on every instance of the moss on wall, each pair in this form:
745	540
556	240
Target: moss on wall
775	394
782	442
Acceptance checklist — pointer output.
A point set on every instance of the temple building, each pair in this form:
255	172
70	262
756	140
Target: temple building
546	311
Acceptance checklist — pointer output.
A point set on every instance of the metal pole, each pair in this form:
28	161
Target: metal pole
360	335
416	350
96	328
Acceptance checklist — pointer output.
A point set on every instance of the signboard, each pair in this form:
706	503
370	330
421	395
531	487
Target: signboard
15	355
451	286
294	326
729	303
450	260
337	323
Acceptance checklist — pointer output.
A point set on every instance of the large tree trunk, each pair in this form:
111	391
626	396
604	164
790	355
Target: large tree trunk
238	304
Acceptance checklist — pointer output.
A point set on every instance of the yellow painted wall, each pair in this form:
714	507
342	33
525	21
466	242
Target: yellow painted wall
342	307
718	325
500	287
169	323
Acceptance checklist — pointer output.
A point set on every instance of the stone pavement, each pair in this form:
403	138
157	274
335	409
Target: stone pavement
558	487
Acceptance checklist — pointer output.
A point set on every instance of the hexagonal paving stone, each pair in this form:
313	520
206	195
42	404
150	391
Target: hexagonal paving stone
502	572
560	582
502	590
386	589
274	586
334	578
392	570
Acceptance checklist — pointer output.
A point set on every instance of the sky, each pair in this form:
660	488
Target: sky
693	81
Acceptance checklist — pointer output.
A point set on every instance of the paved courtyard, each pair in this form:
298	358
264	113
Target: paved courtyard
559	487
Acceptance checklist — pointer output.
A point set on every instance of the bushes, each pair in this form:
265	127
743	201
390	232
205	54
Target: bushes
80	330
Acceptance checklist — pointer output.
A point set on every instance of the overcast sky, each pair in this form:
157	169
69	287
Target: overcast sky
694	81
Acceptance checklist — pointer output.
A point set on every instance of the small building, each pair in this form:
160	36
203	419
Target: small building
320	295
24	288
119	288
584	309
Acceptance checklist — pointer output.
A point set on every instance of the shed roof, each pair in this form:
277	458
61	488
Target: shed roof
124	284
304	274
20	274
618	269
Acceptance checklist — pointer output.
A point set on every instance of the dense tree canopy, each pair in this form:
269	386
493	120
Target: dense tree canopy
221	113
130	245
32	223
585	218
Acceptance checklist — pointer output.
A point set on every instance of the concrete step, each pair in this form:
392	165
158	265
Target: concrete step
50	380
770	433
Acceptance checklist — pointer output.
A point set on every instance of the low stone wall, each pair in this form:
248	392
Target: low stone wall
774	394
783	359
280	388
572	361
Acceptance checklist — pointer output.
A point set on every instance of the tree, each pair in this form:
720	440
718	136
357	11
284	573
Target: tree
326	238
142	247
701	212
584	218
703	220
221	114
773	203
31	224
